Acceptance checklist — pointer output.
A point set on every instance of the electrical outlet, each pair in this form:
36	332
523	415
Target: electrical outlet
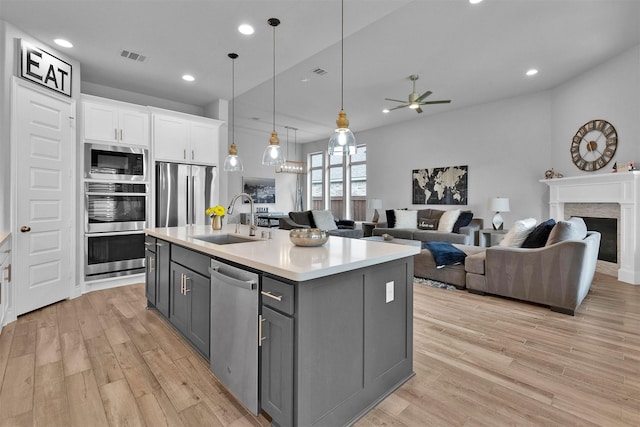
389	292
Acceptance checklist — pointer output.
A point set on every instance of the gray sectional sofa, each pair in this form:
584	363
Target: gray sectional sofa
464	235
558	274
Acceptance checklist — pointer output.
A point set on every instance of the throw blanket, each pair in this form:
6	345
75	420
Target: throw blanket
444	253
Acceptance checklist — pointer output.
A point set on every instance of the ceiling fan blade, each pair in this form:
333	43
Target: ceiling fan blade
436	102
402	106
418	110
395	100
423	96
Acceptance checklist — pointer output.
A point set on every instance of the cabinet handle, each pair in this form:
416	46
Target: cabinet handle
148	244
193	154
121	135
272	296
159	244
152	262
184	154
8	278
186	290
182	284
260	337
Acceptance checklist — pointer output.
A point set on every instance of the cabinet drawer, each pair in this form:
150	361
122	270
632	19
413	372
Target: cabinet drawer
150	243
193	260
278	295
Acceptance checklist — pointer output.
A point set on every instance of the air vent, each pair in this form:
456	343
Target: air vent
133	56
319	71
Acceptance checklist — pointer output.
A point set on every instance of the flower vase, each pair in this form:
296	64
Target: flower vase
216	223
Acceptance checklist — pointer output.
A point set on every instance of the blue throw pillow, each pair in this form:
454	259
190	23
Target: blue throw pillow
538	237
444	253
463	220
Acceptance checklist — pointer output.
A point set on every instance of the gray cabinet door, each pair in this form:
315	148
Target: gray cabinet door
163	278
198	291
150	277
277	367
179	307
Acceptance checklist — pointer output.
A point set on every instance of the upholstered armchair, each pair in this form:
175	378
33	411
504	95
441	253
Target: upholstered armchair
334	226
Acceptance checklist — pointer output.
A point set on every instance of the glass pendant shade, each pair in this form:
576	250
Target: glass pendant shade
342	142
273	154
233	163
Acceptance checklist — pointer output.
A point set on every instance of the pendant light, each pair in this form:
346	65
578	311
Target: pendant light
342	142
273	154
233	163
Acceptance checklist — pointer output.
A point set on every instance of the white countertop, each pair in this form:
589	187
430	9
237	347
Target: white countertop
282	258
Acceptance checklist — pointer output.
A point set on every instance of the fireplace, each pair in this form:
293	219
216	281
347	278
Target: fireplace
608	229
615	196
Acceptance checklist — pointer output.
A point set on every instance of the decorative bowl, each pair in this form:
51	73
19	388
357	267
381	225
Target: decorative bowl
386	236
308	237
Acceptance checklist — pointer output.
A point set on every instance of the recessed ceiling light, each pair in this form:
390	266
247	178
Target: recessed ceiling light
63	43
475	1
386	110
532	72
305	79
188	78
246	29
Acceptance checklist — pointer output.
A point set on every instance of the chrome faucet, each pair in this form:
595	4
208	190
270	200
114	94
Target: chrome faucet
252	226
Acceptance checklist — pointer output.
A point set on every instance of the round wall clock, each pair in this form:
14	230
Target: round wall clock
594	145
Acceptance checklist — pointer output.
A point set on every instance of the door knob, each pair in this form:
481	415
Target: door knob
25	228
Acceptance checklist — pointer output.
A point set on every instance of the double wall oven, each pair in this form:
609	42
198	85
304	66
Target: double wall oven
116	200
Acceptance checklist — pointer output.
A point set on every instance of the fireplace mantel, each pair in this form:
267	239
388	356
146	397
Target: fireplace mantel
622	188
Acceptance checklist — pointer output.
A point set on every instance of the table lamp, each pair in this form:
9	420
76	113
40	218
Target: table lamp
375	204
498	204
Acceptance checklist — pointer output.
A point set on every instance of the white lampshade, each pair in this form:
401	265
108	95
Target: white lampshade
342	143
232	163
499	204
375	204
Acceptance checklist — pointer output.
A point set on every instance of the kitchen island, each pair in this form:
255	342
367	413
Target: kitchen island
333	324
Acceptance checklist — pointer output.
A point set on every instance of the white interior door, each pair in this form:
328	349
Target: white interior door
43	129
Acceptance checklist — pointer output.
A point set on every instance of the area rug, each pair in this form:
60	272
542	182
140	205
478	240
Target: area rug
434	283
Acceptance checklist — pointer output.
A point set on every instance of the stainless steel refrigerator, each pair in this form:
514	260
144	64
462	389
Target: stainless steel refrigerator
183	194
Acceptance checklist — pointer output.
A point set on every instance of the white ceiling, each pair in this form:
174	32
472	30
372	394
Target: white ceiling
470	54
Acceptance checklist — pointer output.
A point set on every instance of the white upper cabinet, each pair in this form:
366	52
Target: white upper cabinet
115	122
186	139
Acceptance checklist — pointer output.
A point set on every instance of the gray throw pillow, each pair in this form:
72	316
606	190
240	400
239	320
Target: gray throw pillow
427	224
572	229
324	220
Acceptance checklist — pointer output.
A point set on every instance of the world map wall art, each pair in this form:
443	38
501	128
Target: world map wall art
440	186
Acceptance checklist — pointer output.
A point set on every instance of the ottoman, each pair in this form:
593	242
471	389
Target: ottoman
424	266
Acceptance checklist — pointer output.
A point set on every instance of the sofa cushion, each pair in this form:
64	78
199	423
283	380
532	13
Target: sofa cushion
475	263
427	223
391	218
435	213
302	218
463	220
518	232
539	235
444	253
324	220
406	219
572	229
448	220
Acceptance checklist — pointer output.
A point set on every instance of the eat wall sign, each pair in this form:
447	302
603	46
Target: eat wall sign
45	69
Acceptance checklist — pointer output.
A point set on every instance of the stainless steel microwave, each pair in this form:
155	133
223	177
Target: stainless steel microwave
115	162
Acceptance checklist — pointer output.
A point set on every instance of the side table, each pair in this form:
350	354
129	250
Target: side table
367	228
490	237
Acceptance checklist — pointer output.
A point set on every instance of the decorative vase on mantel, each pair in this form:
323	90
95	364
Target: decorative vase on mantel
216	222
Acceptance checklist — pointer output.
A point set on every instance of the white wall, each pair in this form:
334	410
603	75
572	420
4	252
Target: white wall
505	144
610	92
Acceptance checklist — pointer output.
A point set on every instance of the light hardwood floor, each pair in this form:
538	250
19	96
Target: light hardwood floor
103	360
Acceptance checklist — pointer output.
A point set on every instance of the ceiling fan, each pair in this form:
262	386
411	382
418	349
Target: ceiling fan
415	100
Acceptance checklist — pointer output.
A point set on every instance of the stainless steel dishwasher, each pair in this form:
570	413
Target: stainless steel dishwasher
234	331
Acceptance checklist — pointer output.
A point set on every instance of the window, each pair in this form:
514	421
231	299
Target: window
339	184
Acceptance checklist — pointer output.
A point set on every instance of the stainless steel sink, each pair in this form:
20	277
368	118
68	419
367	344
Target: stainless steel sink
223	239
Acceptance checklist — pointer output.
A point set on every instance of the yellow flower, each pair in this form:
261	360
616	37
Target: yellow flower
216	211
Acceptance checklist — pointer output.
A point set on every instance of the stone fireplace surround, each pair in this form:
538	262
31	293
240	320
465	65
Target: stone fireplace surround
622	189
